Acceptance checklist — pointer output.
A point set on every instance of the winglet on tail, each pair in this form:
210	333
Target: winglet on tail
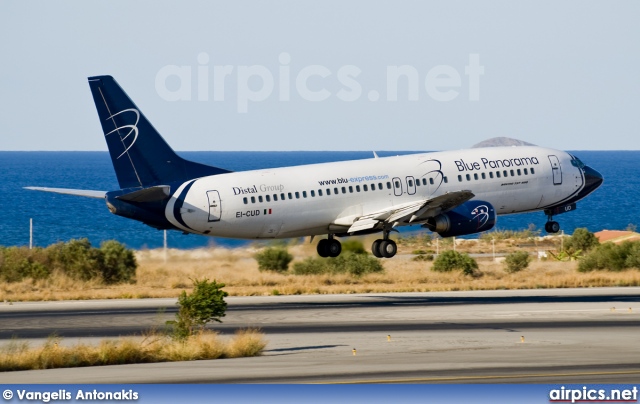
140	156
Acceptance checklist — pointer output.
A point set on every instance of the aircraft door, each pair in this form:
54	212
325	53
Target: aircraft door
215	210
411	185
556	169
397	186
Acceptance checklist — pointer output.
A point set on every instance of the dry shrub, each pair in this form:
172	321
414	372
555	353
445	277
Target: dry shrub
154	347
239	271
248	342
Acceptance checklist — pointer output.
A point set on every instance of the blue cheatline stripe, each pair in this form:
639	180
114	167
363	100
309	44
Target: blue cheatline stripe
178	205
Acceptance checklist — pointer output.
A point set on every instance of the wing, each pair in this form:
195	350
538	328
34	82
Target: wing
67	191
411	212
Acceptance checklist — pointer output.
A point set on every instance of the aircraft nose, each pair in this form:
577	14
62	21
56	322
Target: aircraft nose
593	179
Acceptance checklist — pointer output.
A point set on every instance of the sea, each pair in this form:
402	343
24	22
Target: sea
63	217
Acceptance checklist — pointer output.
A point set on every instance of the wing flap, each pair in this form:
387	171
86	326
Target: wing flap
76	192
363	224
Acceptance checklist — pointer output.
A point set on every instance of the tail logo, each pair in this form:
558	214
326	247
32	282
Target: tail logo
133	129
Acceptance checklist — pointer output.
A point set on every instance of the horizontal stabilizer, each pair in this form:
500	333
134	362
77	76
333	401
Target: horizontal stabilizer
157	193
77	192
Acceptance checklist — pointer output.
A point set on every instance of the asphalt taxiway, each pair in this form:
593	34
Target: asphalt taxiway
541	336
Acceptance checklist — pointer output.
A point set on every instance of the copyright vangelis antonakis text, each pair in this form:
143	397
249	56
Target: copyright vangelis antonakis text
78	395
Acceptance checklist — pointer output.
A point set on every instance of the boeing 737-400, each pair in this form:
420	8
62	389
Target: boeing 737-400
451	193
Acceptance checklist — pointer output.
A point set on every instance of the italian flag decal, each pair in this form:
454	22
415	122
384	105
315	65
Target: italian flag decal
267	211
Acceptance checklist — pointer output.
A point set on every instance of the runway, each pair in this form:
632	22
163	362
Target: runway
540	336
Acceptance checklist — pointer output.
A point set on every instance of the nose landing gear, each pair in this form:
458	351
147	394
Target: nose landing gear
552	226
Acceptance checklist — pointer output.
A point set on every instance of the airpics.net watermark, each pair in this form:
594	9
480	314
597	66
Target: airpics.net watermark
258	83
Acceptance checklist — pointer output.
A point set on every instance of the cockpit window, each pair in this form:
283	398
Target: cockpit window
576	162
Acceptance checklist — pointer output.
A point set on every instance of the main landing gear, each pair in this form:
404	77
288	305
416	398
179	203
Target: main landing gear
381	248
552	226
329	247
384	248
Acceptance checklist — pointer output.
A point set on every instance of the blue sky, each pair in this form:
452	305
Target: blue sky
320	75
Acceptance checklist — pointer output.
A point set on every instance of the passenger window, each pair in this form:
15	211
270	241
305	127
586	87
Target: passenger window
304	194
459	178
282	197
380	186
335	191
364	188
526	172
297	195
468	177
275	197
313	193
290	196
505	173
519	173
532	171
484	176
512	174
498	174
411	183
344	190
424	181
388	185
253	199
350	189
490	174
475	176
445	179
319	192
260	198
328	191
430	181
268	198
357	188
418	182
245	200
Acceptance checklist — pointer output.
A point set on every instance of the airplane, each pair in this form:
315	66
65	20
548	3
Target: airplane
451	193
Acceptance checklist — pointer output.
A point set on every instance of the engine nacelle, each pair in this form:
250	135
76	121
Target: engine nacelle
468	218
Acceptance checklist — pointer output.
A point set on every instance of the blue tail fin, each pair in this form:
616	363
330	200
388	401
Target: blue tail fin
140	156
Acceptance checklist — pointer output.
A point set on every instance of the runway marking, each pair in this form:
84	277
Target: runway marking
499	377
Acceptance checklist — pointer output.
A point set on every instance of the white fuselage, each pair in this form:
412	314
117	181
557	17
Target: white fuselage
324	198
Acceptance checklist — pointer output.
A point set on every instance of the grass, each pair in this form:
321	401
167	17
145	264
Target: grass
238	270
17	355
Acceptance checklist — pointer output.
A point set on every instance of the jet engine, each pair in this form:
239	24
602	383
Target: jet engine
467	218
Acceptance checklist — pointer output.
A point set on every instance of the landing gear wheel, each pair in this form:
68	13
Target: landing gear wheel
323	248
334	248
387	248
375	248
552	227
